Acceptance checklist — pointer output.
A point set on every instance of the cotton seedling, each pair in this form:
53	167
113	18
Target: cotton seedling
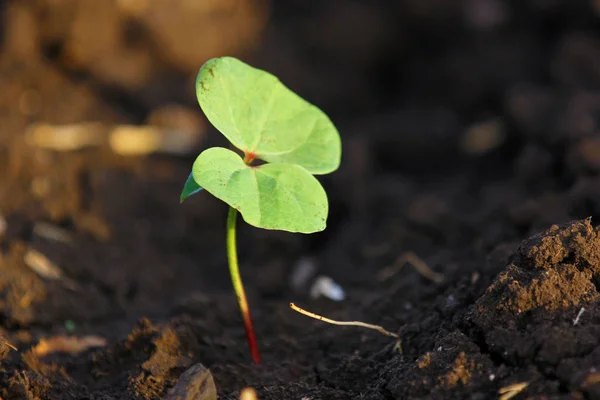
293	138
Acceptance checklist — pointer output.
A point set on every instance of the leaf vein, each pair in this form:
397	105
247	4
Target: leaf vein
268	110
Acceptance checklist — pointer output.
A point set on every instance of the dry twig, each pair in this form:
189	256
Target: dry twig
510	391
412	259
2	340
344	323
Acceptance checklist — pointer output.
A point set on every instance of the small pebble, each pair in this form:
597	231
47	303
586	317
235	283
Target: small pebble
51	232
248	393
326	287
196	383
39	263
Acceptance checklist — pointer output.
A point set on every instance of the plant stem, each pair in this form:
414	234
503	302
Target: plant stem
238	286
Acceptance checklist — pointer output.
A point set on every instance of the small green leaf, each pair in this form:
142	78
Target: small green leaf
190	188
259	115
271	196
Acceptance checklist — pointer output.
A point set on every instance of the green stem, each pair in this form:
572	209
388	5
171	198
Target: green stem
238	286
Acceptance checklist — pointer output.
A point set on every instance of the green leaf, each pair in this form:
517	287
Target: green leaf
262	117
190	188
271	196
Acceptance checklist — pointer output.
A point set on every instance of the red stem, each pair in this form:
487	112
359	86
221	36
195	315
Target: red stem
238	287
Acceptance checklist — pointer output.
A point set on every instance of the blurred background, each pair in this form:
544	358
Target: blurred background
416	73
466	125
430	75
416	86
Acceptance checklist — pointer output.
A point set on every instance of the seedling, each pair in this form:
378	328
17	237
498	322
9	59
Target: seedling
268	122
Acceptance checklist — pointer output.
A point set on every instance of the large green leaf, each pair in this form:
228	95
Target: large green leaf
271	196
261	116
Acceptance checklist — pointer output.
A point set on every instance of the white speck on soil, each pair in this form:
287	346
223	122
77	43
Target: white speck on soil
326	287
304	269
579	314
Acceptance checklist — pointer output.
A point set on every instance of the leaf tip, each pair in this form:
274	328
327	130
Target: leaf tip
190	188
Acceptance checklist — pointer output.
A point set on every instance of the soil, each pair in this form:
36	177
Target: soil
470	134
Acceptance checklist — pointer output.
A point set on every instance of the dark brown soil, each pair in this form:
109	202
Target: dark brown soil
471	139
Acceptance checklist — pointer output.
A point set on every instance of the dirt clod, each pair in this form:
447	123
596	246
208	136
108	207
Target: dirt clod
528	311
